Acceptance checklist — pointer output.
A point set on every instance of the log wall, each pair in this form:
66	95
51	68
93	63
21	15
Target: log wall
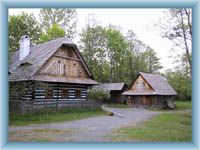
28	97
148	101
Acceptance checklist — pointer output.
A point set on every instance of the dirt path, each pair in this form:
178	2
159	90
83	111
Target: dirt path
90	129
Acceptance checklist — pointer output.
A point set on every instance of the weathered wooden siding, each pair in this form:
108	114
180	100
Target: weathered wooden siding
117	97
65	62
141	85
57	90
26	97
67	52
148	101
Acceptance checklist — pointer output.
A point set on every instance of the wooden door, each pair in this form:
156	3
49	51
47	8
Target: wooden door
146	101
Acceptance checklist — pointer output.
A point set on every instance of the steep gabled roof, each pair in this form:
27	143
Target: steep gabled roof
26	69
110	86
158	83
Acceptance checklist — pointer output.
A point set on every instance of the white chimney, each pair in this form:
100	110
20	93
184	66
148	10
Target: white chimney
24	47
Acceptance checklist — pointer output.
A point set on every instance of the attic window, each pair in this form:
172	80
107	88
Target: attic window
79	73
62	68
141	85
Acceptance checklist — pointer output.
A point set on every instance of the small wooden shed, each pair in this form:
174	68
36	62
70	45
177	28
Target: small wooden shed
150	90
52	74
115	90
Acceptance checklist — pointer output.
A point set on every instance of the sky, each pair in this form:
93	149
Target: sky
141	21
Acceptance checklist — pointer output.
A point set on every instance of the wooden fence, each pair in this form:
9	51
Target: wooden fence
28	106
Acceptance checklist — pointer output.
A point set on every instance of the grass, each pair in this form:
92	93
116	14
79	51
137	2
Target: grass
48	116
170	127
180	105
183	105
40	135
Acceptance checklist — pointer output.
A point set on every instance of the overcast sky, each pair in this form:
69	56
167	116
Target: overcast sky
141	21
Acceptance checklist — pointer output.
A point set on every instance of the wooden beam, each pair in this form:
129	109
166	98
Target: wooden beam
68	57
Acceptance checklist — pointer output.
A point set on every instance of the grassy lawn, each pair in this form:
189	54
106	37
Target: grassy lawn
170	127
182	105
48	116
40	135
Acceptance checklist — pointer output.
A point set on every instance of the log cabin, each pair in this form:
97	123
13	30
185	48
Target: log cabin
150	90
115	90
52	74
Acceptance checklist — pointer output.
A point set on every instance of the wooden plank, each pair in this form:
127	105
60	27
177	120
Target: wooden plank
66	57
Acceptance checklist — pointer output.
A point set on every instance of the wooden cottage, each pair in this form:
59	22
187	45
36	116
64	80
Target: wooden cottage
115	90
52	74
150	90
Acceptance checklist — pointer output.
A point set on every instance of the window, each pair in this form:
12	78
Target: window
61	68
64	93
79	73
49	93
78	94
141	85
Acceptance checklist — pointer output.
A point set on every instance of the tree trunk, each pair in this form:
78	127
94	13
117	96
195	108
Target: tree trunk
186	44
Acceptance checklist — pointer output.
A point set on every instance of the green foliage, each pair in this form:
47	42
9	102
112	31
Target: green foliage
19	25
52	33
98	94
94	52
113	57
181	83
47	116
117	52
183	105
152	60
171	127
63	17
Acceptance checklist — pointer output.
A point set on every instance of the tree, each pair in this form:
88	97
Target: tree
152	60
63	17
94	52
116	47
52	33
19	25
181	83
142	58
178	29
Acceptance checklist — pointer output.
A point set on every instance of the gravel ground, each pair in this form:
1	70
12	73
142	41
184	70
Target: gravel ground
90	129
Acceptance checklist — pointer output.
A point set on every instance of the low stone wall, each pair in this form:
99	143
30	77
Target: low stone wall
25	107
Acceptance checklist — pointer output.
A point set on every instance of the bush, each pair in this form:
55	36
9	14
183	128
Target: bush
98	94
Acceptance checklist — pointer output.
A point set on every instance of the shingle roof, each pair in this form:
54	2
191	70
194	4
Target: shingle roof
39	54
110	86
157	82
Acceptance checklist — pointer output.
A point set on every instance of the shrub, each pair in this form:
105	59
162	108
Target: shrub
98	94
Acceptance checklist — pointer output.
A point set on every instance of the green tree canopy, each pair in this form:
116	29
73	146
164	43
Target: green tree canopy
113	57
19	25
181	83
52	33
63	17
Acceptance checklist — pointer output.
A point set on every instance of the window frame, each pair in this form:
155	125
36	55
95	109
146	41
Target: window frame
78	93
65	93
49	93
